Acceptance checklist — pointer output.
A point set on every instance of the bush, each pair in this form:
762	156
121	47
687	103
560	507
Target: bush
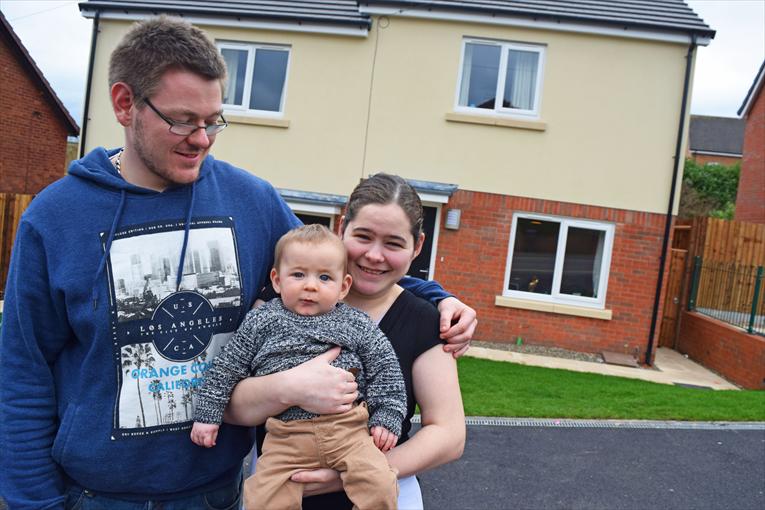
709	190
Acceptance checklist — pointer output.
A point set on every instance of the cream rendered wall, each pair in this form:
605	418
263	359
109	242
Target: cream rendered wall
611	108
326	104
102	128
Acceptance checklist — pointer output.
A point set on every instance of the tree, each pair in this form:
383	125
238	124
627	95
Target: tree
709	190
138	356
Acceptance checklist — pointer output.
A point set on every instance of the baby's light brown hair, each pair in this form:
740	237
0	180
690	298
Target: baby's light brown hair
310	234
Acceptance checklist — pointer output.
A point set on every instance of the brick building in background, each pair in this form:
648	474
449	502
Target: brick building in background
715	140
34	123
750	200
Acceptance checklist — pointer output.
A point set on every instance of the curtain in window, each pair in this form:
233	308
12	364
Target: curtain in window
467	68
236	65
596	264
520	81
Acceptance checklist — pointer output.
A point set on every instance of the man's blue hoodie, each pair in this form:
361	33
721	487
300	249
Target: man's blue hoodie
118	298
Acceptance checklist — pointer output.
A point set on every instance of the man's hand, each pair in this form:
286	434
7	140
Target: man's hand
204	434
320	388
458	323
318	481
383	438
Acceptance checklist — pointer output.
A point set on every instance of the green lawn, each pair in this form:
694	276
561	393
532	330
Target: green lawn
493	388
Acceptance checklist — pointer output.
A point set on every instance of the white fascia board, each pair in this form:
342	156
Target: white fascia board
227	22
432	198
711	153
585	28
750	99
303	207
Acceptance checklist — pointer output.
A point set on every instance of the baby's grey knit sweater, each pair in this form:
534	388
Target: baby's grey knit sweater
272	339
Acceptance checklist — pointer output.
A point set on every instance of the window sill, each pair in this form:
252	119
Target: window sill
257	121
542	306
495	120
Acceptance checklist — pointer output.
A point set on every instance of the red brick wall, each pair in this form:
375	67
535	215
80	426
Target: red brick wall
471	263
703	159
750	201
33	141
736	355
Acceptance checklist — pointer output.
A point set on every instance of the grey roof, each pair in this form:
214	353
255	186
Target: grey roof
663	15
16	47
723	135
754	91
332	12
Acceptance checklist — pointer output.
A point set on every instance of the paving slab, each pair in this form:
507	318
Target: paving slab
670	367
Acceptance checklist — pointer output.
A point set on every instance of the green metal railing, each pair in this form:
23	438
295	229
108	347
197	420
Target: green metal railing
730	293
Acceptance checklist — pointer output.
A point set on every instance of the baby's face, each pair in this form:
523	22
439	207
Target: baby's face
311	278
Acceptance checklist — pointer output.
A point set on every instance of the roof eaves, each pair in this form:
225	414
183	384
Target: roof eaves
364	22
26	58
754	91
536	14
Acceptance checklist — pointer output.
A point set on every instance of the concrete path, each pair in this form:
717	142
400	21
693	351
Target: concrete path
670	367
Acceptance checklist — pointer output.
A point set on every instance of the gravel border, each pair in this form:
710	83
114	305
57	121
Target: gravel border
541	350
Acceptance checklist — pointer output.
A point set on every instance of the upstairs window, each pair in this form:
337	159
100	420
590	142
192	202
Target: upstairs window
257	75
559	260
504	78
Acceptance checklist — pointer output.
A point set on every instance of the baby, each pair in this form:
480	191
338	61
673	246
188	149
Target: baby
310	274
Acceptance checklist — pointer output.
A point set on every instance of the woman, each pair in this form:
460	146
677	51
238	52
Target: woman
382	231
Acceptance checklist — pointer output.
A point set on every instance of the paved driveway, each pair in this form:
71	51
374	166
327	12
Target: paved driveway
592	467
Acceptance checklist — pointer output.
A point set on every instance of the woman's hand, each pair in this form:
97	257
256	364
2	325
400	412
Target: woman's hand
459	334
318	481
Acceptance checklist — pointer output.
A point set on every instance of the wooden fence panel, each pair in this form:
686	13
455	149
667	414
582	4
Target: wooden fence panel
12	206
736	242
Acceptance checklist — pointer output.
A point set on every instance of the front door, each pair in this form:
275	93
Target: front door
420	267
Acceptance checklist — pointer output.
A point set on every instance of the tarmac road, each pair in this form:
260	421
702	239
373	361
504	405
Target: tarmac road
600	465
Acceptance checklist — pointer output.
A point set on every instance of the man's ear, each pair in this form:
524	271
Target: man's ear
275	281
345	286
123	101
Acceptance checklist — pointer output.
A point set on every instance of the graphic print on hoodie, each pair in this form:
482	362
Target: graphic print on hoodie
165	339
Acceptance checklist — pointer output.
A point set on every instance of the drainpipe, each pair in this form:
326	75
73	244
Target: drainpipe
93	38
671	205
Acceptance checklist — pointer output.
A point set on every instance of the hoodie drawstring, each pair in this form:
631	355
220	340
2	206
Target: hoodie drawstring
187	227
112	231
102	263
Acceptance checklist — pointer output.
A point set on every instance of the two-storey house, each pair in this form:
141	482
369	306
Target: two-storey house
546	138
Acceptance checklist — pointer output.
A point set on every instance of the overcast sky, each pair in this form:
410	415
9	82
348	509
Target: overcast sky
58	38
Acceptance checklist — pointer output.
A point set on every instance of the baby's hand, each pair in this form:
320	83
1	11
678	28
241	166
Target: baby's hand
204	434
383	438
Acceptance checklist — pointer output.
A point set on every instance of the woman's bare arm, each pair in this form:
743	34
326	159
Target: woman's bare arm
442	436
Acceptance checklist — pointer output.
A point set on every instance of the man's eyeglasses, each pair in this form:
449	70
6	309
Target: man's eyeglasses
185	129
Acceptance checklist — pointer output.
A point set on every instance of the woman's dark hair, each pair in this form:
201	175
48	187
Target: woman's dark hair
384	189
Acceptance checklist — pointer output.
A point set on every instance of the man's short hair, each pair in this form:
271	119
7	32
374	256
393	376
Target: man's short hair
309	234
157	45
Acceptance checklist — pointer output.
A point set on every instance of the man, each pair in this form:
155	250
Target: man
127	278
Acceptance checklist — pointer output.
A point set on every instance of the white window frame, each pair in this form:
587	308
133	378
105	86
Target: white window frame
534	112
252	49
555	296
